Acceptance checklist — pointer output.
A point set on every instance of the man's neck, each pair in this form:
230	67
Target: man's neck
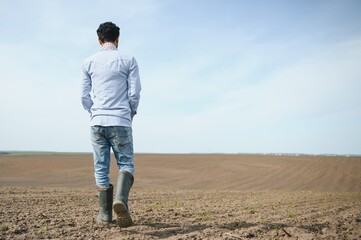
109	46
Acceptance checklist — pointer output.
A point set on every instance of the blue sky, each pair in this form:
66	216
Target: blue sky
217	76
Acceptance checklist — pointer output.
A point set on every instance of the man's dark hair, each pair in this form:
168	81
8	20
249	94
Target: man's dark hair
108	32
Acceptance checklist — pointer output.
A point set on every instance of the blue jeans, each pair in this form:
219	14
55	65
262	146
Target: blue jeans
120	139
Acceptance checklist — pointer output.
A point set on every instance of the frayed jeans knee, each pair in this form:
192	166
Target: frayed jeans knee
120	140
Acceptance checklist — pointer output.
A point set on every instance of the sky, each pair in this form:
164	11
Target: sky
218	76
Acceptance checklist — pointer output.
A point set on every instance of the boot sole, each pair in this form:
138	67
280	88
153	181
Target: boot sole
123	218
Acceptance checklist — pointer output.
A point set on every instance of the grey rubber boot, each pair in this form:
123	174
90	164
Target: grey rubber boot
120	204
105	204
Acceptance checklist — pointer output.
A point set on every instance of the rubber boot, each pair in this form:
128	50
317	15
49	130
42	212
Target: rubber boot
120	205
105	204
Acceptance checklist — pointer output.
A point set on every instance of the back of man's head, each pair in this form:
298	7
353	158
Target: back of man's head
108	32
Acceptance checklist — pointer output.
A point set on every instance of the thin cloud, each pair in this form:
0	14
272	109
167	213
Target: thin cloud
230	77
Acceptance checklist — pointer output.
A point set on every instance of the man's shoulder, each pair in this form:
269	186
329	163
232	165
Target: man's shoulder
126	57
92	57
126	60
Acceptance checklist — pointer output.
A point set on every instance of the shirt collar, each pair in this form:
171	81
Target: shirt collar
109	46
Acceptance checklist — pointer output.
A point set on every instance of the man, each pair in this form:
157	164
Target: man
114	82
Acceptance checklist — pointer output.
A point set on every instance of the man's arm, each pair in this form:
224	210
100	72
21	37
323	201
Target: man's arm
85	90
134	86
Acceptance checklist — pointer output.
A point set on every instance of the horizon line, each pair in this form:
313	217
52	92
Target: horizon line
24	152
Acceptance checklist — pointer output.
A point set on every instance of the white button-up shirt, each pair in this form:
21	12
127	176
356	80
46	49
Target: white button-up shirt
110	87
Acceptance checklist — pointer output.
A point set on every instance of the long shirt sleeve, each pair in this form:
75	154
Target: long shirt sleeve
85	90
134	86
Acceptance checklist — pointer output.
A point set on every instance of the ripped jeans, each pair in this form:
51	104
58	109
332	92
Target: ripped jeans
120	139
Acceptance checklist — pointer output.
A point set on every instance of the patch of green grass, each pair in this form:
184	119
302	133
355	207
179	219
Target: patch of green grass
252	211
262	220
205	216
273	207
165	203
149	221
158	205
290	215
41	231
177	202
4	228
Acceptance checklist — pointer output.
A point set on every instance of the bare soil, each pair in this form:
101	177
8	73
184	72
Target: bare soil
186	197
